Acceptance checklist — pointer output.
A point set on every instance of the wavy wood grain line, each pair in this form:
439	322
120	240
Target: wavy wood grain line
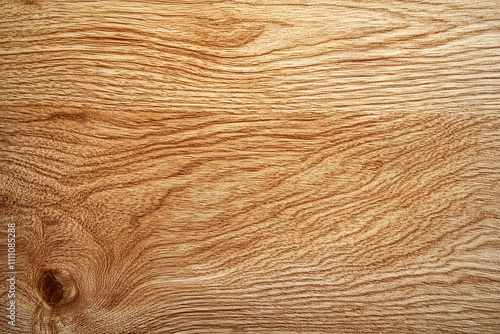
251	166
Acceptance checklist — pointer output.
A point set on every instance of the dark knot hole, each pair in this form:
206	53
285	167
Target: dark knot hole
50	288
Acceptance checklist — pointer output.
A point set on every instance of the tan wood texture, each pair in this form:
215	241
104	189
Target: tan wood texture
251	166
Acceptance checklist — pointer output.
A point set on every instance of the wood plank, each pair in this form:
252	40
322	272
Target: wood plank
250	166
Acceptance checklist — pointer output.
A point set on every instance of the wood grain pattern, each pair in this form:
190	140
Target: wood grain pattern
251	166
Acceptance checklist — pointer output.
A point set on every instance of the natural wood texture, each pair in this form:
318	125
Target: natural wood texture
251	166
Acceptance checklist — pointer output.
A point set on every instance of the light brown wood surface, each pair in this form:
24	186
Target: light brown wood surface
251	166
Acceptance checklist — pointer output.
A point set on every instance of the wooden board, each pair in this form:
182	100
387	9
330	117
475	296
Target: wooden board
250	166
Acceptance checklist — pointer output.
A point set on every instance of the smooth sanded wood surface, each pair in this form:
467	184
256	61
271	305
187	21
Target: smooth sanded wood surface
251	166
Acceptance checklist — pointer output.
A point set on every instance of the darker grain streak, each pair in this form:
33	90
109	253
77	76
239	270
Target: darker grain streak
79	117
